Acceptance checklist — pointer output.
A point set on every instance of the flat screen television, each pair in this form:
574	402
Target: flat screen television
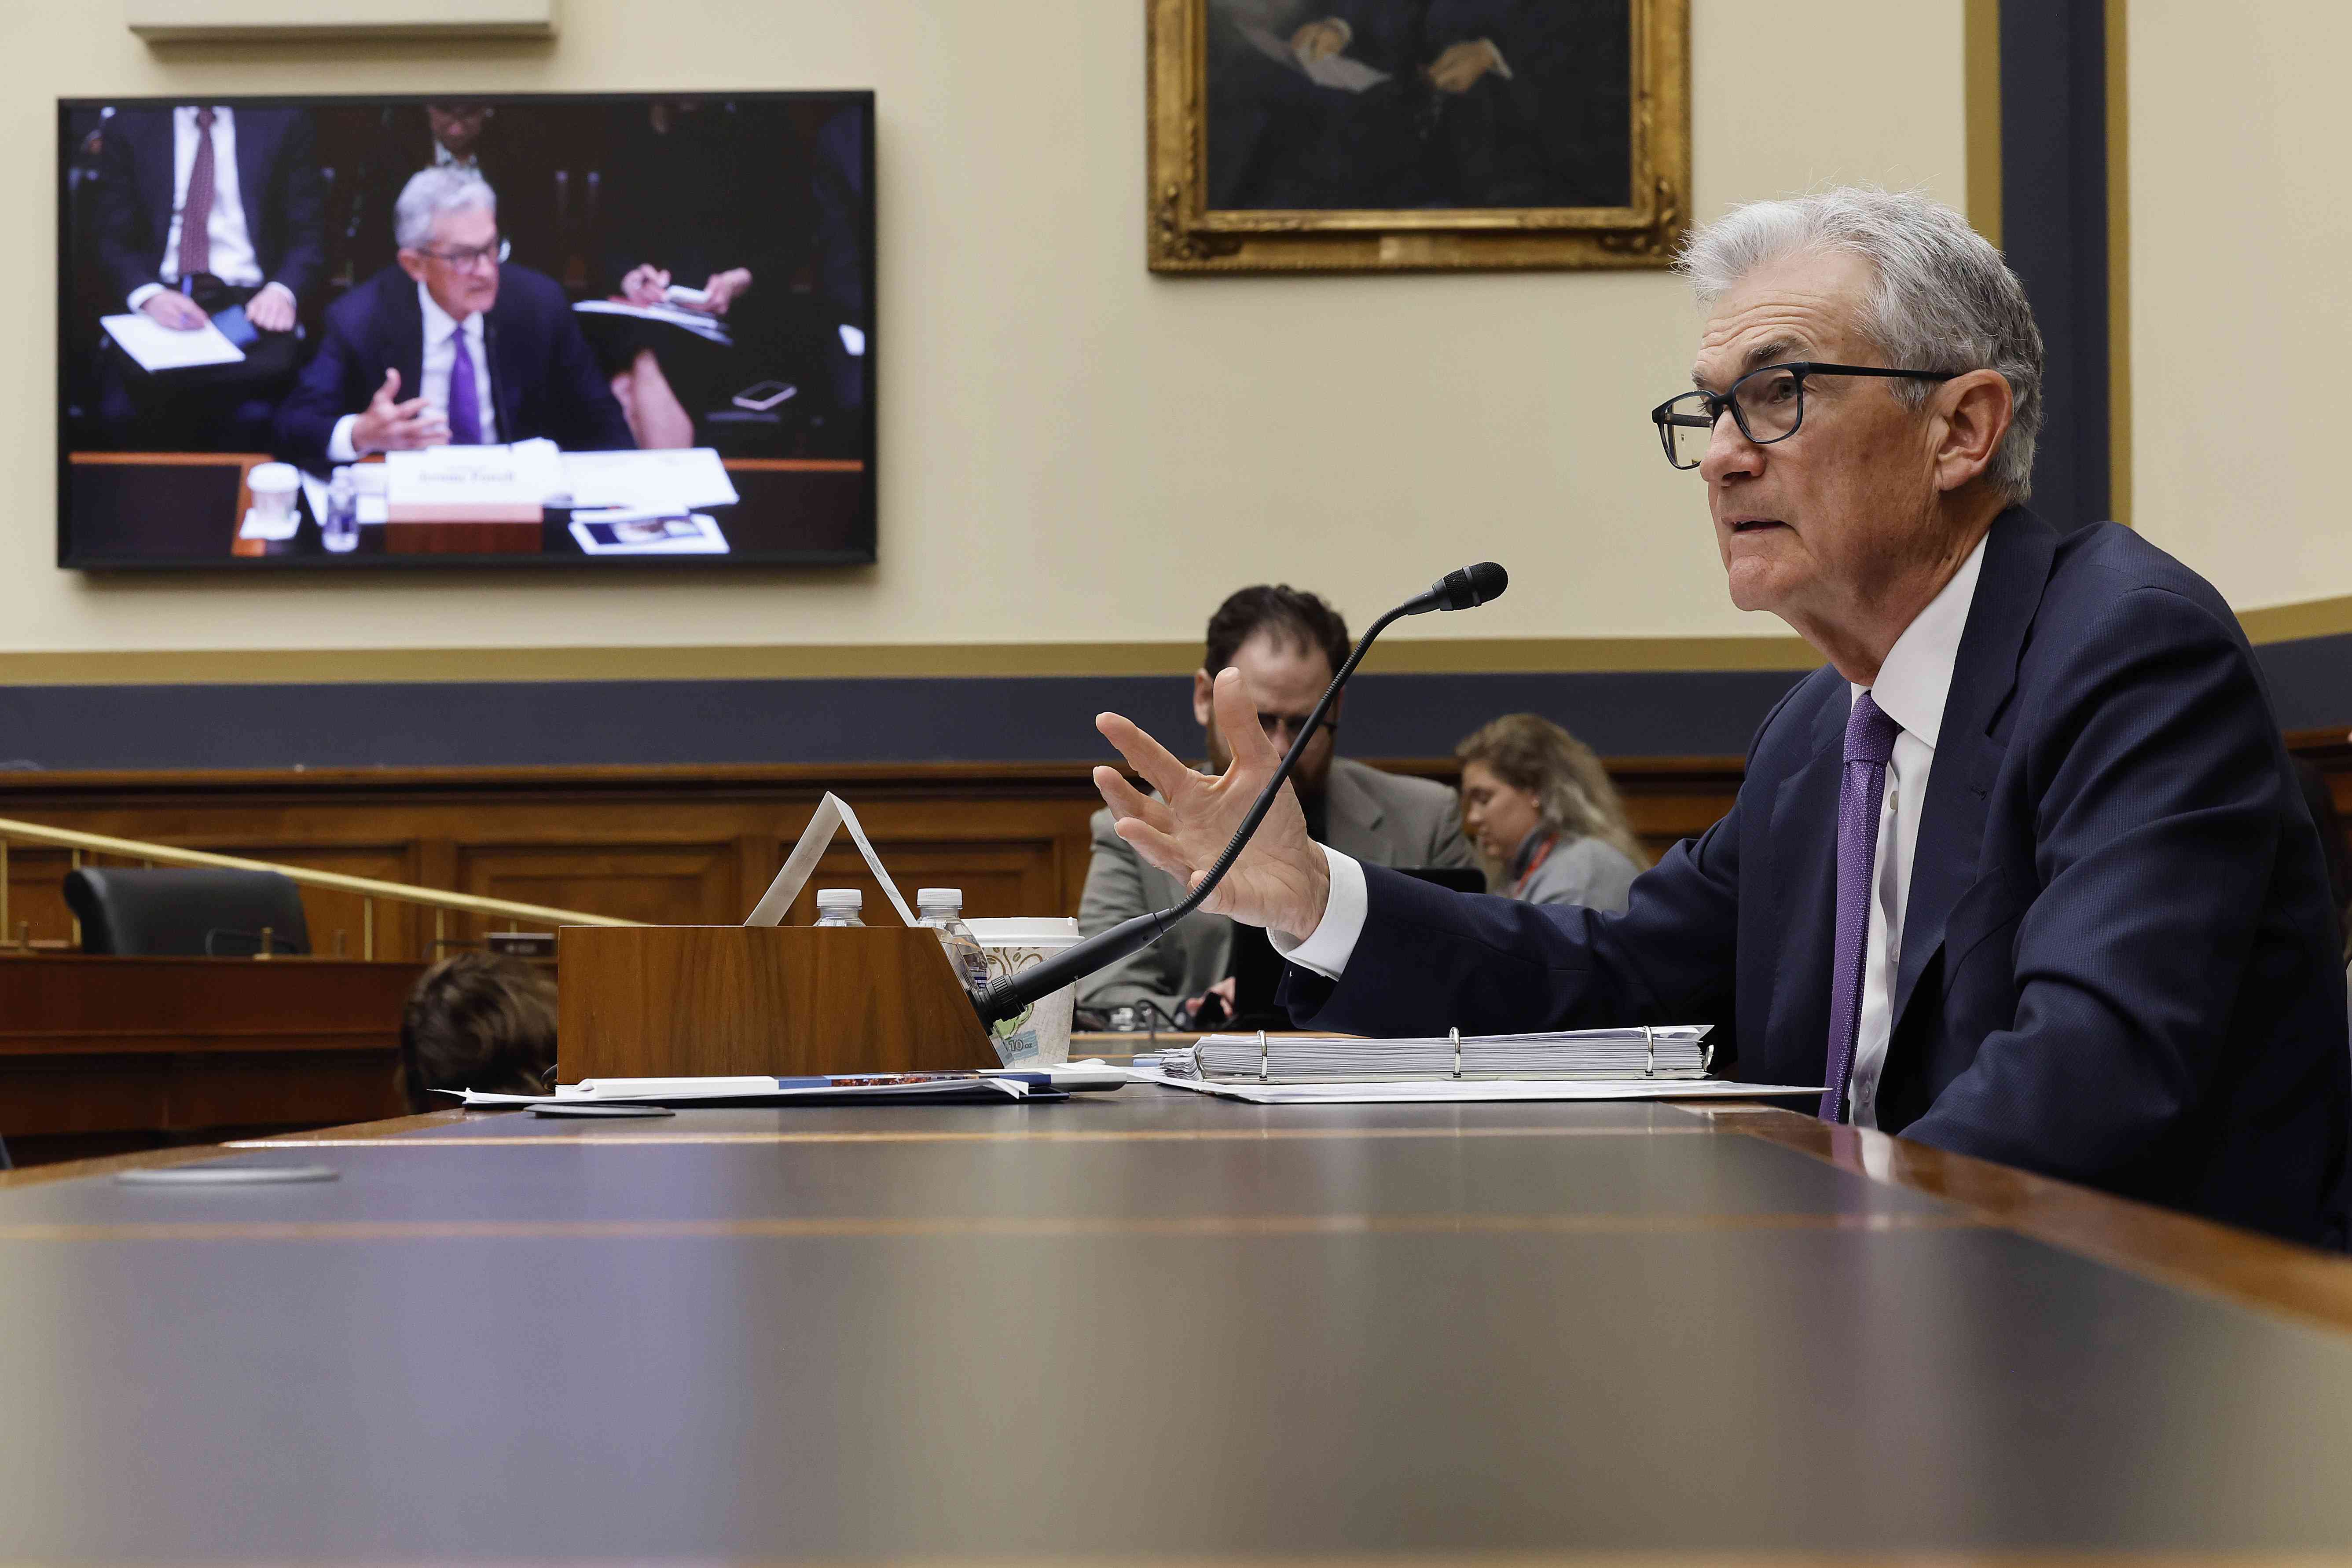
609	332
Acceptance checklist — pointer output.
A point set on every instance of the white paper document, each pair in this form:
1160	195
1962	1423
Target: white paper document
833	1089
657	483
1338	71
1467	1090
700	323
156	347
832	814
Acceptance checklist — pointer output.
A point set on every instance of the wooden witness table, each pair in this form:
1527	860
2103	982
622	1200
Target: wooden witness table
1155	1327
101	1054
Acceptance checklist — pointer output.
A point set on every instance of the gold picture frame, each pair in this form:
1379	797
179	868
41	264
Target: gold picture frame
1186	235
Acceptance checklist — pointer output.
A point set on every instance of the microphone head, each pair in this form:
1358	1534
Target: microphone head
1471	587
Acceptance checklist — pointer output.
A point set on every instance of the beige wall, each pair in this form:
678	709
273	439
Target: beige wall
2242	298
1072	450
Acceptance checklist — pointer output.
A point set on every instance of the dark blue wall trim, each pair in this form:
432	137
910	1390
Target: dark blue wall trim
2311	682
2053	217
980	719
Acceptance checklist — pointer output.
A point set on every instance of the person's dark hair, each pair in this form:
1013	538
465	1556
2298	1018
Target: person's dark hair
478	1020
1284	613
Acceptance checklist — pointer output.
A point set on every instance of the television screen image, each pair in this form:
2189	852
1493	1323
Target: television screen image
611	332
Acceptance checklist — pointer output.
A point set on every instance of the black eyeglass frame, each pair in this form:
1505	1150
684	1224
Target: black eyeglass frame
1664	417
475	255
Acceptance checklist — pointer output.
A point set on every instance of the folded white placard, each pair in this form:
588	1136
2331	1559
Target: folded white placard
832	813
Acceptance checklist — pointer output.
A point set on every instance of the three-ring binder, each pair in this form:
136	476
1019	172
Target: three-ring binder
1634	1053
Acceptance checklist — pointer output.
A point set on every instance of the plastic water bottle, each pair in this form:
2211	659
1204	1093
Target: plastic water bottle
839	906
941	908
339	531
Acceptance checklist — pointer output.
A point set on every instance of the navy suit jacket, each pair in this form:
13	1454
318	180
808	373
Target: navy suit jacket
2120	963
544	381
278	185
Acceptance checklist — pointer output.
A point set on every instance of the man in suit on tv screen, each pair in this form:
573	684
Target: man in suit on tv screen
449	345
202	210
2023	872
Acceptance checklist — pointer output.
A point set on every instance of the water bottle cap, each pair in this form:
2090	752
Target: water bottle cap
926	897
840	898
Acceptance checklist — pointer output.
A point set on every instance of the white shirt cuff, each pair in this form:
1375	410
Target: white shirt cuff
143	293
338	445
1332	943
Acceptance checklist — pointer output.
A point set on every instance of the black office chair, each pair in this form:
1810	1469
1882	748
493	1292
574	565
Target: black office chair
220	914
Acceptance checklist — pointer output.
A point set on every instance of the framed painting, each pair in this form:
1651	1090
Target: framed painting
1417	135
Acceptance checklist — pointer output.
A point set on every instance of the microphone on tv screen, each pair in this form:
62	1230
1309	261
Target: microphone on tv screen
1464	590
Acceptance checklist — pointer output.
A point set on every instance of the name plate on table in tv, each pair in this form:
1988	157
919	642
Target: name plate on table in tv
469	484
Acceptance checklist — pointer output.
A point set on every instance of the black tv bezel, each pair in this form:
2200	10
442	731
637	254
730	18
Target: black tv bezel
373	566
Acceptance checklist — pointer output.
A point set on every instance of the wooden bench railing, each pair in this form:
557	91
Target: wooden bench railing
438	900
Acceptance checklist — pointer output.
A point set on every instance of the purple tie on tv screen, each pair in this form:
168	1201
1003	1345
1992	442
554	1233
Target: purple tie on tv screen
339	333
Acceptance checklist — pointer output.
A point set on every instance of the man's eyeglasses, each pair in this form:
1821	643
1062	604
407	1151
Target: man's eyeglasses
466	257
1283	727
1769	404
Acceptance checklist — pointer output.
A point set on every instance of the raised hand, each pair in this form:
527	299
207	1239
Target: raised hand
393	426
1281	882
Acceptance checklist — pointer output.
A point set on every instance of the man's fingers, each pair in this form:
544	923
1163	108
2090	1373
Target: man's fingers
391	388
1145	754
1245	739
1126	801
1159	849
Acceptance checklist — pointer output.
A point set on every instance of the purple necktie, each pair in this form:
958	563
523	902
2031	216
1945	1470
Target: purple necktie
1862	794
465	402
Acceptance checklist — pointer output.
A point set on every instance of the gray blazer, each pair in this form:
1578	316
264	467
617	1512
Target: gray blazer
1590	871
1376	817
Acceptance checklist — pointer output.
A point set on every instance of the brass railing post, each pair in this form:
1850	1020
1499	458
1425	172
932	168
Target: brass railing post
367	929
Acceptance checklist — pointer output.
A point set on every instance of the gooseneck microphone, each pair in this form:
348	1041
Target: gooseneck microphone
1464	590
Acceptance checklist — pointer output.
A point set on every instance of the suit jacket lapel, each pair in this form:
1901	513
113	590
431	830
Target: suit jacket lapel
252	177
1804	879
404	324
2016	568
158	175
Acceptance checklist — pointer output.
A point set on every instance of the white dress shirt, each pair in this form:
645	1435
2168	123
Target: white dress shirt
234	259
442	333
1912	684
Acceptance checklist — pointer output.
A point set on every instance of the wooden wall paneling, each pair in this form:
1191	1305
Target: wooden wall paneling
657	843
659	883
36	900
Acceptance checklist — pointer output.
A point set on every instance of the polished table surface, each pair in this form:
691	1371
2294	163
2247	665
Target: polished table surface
1150	1326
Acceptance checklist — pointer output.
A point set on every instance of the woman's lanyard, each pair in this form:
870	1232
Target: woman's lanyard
1534	865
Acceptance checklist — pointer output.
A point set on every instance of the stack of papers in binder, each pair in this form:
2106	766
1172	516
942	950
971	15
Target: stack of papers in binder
1678	1051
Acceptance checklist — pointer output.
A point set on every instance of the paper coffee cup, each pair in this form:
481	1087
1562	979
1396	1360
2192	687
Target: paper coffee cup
1041	1036
274	486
